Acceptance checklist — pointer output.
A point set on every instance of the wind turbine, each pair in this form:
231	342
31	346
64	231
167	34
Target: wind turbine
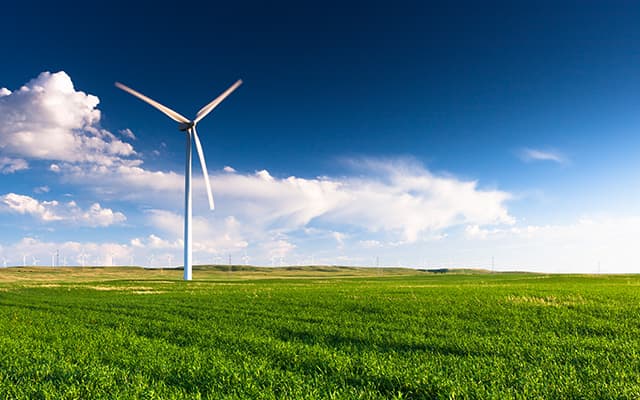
82	255
245	259
189	127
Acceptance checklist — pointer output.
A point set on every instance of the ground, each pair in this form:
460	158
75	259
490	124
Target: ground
311	332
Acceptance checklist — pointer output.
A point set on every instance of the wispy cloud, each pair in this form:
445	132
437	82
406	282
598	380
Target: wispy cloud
11	165
530	155
127	133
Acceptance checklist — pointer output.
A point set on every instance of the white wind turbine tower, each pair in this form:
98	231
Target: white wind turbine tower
189	127
83	256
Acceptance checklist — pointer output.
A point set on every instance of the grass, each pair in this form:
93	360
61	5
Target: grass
316	333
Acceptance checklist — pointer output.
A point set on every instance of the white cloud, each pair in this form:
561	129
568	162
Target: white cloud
573	247
228	169
339	237
11	165
397	197
127	133
28	205
48	119
370	243
42	189
129	181
209	235
265	175
156	242
277	250
98	216
529	155
48	211
4	92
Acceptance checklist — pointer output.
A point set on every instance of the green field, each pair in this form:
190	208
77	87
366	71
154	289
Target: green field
316	333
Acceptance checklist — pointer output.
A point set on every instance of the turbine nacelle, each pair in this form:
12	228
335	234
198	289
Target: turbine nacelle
185	126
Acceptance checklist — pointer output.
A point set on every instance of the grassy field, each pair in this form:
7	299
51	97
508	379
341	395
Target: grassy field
310	333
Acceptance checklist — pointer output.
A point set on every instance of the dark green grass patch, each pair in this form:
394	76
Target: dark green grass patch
414	336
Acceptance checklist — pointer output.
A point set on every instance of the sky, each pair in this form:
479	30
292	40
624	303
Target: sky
498	135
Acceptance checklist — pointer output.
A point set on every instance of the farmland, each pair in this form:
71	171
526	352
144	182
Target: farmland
330	333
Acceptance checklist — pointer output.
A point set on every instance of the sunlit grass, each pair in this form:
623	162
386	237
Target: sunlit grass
307	333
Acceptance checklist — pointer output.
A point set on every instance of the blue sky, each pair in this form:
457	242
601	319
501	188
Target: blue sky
421	133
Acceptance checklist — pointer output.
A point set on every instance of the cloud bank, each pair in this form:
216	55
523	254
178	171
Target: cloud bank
394	201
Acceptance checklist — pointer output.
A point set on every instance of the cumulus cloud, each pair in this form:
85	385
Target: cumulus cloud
48	211
11	165
48	119
44	210
530	155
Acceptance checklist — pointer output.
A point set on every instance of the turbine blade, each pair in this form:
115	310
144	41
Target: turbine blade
204	167
207	109
166	110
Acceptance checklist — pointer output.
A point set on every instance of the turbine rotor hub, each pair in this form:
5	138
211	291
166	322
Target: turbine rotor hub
184	126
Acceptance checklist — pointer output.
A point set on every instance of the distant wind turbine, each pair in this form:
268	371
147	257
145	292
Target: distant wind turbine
83	256
189	127
245	259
